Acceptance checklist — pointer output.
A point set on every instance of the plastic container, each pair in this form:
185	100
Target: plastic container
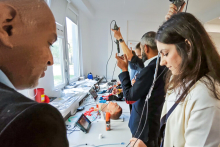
40	96
107	118
90	76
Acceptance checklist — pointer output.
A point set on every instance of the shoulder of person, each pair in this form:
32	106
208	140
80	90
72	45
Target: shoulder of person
45	109
148	69
39	124
201	96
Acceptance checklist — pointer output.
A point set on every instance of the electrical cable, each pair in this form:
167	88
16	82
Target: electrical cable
144	124
147	97
150	92
72	130
114	70
186	5
111	51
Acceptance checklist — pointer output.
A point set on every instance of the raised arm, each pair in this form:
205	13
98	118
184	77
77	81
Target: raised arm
125	49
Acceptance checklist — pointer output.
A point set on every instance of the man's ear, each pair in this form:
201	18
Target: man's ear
7	15
146	48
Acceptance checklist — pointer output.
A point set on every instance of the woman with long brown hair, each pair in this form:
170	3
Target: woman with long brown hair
192	107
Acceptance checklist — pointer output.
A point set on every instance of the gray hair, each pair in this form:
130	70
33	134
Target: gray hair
149	40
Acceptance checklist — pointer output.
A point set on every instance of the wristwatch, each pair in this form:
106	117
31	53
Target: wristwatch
121	40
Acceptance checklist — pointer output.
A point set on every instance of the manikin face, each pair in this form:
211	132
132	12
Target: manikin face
169	57
113	107
138	53
30	55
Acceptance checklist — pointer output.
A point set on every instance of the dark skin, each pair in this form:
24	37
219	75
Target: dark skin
25	39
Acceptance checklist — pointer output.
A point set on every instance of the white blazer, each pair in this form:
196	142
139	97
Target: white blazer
196	121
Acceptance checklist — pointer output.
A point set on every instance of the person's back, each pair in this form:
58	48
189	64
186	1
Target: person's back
26	123
24	57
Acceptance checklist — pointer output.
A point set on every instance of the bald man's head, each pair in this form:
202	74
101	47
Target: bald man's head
30	11
27	29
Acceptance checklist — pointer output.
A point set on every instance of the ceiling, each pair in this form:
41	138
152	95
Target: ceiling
205	10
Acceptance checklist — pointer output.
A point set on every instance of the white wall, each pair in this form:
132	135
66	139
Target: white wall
216	39
101	43
136	29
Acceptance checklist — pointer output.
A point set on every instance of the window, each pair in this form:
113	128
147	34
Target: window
58	66
48	2
72	49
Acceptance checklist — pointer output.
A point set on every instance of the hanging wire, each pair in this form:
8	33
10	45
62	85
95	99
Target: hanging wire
186	5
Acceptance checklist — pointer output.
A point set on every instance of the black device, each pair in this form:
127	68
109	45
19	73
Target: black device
93	93
80	109
117	42
97	78
178	3
83	123
114	98
96	87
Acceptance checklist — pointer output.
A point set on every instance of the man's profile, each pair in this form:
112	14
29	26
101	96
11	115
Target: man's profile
27	29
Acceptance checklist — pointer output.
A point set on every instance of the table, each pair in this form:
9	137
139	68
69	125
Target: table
118	136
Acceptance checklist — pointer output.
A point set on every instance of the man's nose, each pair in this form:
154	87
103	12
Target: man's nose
50	59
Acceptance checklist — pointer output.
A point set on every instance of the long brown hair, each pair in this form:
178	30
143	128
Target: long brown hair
198	53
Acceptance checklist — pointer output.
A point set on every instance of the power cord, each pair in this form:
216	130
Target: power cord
111	51
114	70
147	97
186	5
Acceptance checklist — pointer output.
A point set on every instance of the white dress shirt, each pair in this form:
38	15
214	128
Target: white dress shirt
149	60
4	79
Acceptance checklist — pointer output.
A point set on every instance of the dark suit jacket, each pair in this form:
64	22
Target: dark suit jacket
26	123
138	93
137	63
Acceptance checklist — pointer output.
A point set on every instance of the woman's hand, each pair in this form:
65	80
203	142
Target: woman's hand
115	91
173	10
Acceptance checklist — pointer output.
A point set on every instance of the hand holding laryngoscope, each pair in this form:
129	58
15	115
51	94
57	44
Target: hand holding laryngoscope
174	9
178	3
117	34
116	28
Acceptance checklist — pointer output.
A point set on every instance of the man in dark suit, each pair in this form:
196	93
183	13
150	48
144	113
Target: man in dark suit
138	92
27	29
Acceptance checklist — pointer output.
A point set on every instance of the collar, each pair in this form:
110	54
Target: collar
4	79
149	60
